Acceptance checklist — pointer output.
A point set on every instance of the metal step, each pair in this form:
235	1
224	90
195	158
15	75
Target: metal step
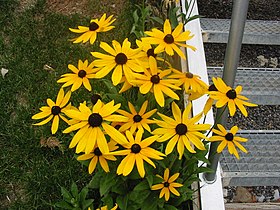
255	32
260	85
260	166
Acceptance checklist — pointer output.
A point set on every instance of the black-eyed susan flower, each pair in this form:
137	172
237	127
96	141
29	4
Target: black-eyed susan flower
89	33
54	110
169	39
230	97
155	81
137	151
122	60
168	185
149	51
137	120
97	156
80	75
190	81
91	123
228	139
181	130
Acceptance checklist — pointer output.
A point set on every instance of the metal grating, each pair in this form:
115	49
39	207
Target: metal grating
260	85
255	32
260	166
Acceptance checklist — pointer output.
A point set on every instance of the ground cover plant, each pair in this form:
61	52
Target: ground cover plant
118	106
35	48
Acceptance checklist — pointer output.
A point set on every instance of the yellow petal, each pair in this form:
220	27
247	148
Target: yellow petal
55	124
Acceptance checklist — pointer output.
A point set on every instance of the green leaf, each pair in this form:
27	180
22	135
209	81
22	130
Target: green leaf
83	194
86	204
193	18
96	179
169	207
108	200
135	16
158	20
122	202
74	190
109	181
119	187
111	88
150	203
63	205
139	197
142	186
117	98
66	194
150	180
203	170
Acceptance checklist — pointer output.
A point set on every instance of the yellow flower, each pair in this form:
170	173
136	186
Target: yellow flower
210	101
97	156
126	85
122	59
149	51
154	81
228	139
190	81
168	185
137	120
169	40
95	26
80	75
137	151
91	123
231	97
181	130
54	110
106	208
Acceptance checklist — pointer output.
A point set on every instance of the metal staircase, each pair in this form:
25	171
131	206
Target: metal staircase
261	166
255	31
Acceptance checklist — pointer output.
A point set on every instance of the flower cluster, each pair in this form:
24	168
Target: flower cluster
142	132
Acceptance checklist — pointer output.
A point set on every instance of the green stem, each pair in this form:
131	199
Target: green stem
217	120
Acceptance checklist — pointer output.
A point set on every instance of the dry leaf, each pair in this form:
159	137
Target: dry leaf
51	142
48	68
4	72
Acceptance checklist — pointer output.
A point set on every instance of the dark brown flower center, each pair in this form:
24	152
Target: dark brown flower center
97	152
181	129
229	136
121	58
95	120
168	39
56	110
94	98
212	88
155	79
189	75
135	148
151	52
93	26
82	73
166	184
137	118
231	94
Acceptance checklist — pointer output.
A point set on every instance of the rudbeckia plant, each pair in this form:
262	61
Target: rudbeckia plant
139	142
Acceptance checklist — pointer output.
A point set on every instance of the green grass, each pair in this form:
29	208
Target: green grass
31	175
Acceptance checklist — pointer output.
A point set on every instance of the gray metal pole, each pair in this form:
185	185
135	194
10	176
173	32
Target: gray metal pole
238	19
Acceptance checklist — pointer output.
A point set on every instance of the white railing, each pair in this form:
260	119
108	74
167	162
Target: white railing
210	194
